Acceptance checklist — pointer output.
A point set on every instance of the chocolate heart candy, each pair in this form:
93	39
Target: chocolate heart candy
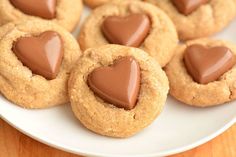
42	8
188	6
129	31
208	64
117	84
42	54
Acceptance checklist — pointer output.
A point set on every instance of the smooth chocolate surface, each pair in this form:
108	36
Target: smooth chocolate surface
208	64
42	8
117	84
42	54
129	30
186	7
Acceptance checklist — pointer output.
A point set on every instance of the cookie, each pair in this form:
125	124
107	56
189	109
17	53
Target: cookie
35	62
200	19
63	12
103	98
131	23
203	73
95	3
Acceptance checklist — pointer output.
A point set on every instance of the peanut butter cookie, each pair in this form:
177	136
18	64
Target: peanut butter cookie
131	23
116	90
199	18
35	61
203	72
63	12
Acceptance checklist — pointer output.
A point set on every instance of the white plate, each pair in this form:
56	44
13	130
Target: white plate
177	129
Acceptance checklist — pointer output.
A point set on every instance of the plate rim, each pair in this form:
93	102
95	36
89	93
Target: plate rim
89	153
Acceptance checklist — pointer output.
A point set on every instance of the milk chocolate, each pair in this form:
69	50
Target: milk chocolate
206	65
42	8
42	54
186	7
130	30
117	84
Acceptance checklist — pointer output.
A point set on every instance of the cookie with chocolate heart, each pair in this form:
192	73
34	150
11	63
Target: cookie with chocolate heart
203	72
131	23
35	62
198	18
95	3
63	12
117	90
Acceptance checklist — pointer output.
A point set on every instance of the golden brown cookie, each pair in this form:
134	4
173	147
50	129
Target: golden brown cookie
159	42
105	118
95	3
185	89
206	20
63	12
17	81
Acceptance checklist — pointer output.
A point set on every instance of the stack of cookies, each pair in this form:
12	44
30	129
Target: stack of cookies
128	56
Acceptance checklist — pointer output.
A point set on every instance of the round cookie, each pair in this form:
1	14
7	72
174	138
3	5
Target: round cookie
159	42
17	82
105	118
95	3
67	13
186	90
207	19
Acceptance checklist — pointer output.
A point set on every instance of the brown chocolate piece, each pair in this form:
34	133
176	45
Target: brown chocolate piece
186	7
117	84
129	31
208	64
42	54
42	8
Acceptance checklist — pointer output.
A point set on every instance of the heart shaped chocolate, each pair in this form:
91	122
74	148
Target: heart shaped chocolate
42	8
186	7
117	84
42	54
129	31
208	64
